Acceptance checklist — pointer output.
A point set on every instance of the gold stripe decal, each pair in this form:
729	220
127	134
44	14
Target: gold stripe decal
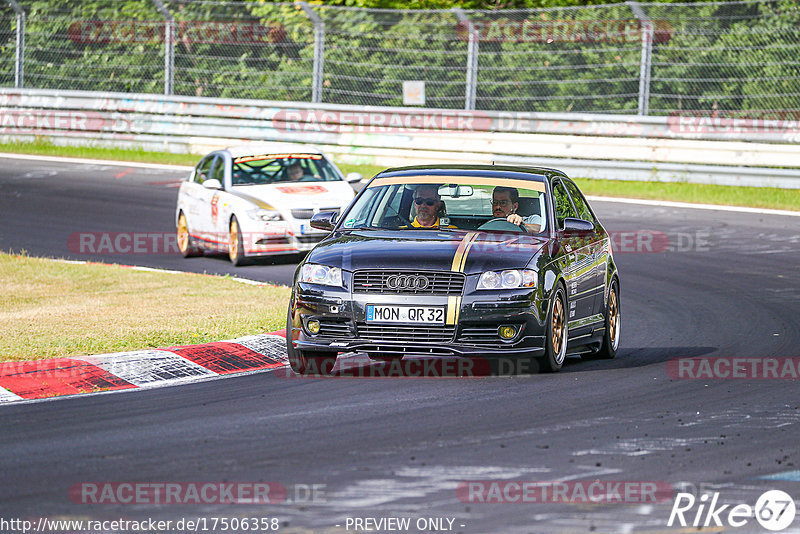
459	259
257	201
453	309
466	252
463	246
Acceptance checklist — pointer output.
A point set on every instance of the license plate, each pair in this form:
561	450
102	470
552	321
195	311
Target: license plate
405	314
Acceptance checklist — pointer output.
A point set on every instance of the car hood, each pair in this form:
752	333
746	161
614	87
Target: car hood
469	252
290	195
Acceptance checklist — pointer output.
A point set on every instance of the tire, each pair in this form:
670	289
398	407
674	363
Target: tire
610	343
186	243
305	362
557	334
236	244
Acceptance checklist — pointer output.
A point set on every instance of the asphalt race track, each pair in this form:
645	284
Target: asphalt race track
46	206
402	447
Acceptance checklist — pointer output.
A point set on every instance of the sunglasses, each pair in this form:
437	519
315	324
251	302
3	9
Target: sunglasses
428	201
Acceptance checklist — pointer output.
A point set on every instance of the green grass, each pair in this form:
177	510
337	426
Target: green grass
756	197
759	197
52	309
46	148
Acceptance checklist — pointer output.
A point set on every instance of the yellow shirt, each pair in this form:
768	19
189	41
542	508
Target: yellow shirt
416	224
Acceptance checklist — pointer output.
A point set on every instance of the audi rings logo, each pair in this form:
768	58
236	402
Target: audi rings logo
414	282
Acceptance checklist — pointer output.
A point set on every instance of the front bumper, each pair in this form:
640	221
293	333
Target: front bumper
471	332
282	238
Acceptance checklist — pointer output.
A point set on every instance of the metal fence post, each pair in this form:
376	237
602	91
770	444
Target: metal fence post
19	67
647	54
472	59
169	47
319	52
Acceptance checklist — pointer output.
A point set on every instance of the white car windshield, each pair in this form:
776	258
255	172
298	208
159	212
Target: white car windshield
455	202
273	168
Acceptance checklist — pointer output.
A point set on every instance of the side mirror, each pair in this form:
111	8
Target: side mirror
577	225
354	177
324	220
212	183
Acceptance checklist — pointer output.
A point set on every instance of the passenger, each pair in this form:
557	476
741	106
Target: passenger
427	204
505	201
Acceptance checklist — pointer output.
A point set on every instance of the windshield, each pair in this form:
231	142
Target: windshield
274	168
451	202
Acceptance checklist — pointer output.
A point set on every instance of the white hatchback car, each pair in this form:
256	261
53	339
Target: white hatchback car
255	200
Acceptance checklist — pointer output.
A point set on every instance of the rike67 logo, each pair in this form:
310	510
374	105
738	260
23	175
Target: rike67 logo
774	510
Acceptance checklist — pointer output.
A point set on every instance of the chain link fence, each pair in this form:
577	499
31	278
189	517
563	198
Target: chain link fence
647	58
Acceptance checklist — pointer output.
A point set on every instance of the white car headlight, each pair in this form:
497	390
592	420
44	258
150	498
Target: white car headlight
321	274
509	279
265	215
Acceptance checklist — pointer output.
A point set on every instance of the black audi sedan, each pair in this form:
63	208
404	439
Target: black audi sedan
464	261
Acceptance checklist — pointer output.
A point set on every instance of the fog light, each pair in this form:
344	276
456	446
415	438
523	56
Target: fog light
313	326
507	332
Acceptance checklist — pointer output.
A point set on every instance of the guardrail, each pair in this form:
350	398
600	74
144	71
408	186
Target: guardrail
675	148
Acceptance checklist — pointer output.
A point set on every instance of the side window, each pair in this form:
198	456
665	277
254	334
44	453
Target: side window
201	174
580	203
218	171
562	204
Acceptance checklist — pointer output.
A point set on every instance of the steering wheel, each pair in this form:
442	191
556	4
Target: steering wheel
500	223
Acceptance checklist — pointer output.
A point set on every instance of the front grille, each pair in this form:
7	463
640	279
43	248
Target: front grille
275	240
439	282
302	214
308	213
404	350
406	333
480	335
486	335
334	328
310	238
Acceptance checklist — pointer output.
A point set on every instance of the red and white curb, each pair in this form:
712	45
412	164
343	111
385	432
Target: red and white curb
43	379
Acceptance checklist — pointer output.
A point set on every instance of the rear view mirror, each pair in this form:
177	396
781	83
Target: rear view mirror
354	177
455	190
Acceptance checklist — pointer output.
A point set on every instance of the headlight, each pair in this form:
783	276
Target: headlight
509	279
321	274
265	215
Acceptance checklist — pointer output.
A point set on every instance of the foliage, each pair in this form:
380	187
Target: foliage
736	57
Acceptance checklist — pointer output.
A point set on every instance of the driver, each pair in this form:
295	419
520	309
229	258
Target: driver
505	201
294	172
